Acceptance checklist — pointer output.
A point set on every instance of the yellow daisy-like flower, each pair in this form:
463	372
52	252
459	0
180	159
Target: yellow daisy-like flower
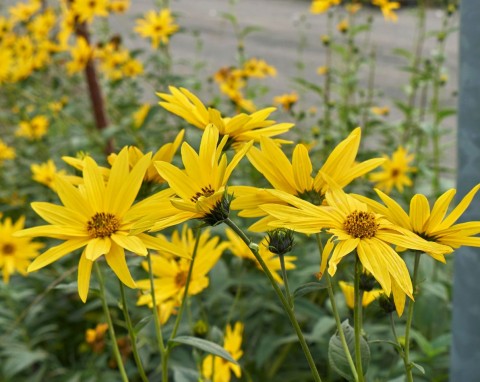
34	129
81	54
387	7
23	11
348	291
295	177
257	68
286	100
238	247
86	10
16	253
354	227
95	338
321	6
200	187
118	6
45	173
240	128
432	224
164	153
170	275
380	110
217	369
394	172
6	152
158	26
97	216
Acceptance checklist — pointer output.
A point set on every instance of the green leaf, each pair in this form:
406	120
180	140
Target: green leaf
309	85
207	346
336	356
419	367
250	29
309	288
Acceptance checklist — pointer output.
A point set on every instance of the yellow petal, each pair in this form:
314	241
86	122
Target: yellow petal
302	168
116	260
56	253
132	243
439	210
459	209
84	272
94	184
419	212
97	247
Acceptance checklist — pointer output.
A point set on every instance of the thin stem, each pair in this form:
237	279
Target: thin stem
283	300
131	333
411	305
285	281
111	331
341	334
357	317
397	341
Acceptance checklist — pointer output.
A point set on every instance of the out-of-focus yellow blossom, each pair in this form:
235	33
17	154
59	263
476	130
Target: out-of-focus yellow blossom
380	110
57	106
343	26
321	6
395	171
23	11
116	62
118	6
132	68
368	297
33	129
6	152
353	8
158	26
322	70
140	115
286	100
6	60
238	247
45	173
387	8
217	369
255	67
15	252
81	54
66	28
86	10
95	338
41	25
6	27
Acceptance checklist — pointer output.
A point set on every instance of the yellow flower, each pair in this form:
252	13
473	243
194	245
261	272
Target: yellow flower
240	249
286	100
15	253
118	6
432	224
240	128
81	54
200	187
95	338
322	70
353	7
382	111
220	369
45	173
140	115
164	153
258	68
23	11
34	129
354	227
387	8
86	10
321	6
171	275
394	172
295	177
6	152
348	292
158	26
343	26
97	216
132	68
42	24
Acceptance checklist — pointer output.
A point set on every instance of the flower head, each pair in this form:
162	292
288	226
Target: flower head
6	152
218	369
45	173
96	216
95	338
34	129
321	6
81	54
16	253
158	26
387	8
86	10
286	100
395	172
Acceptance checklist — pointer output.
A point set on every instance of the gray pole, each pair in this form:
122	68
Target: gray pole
466	288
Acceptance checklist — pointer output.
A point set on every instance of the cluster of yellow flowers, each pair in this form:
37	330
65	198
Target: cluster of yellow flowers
386	6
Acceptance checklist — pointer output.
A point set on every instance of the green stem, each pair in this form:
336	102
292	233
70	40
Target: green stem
357	317
182	306
283	300
111	331
156	318
131	333
411	305
336	315
285	281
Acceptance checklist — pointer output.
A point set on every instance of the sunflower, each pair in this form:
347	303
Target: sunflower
97	216
217	369
15	252
171	274
395	172
432	224
354	227
240	128
295	177
158	26
238	247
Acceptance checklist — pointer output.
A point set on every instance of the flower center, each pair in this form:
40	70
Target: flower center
8	249
181	278
206	191
395	172
102	224
361	224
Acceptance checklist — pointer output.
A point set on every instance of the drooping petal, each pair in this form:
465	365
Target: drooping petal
97	247
116	260
57	252
132	243
84	273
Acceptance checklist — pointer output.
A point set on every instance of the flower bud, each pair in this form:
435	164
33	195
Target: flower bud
280	241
